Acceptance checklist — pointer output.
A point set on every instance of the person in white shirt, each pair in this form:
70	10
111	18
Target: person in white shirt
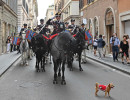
95	45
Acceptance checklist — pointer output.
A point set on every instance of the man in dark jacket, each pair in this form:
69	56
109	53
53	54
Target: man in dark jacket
57	24
100	46
72	27
23	31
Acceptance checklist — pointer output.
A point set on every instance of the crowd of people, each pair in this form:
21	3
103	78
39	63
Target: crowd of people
118	47
10	46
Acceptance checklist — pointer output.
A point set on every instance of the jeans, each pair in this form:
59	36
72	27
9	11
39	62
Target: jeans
100	52
115	51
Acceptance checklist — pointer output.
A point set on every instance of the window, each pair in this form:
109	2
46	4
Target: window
26	8
81	4
51	13
89	1
24	3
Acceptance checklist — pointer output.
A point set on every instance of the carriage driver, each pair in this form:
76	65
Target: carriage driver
20	34
72	26
23	30
57	24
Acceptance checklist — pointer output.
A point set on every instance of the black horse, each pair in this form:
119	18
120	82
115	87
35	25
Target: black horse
40	48
59	48
78	48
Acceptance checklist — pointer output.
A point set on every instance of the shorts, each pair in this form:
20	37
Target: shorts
95	47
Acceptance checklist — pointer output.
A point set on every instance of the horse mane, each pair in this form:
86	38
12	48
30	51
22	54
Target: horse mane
64	40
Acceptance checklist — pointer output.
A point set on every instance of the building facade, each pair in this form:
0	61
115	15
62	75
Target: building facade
27	13
124	17
101	17
8	21
50	12
69	9
23	13
33	13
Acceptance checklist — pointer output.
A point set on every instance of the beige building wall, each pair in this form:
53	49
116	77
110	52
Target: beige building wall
23	13
98	10
8	22
50	12
124	17
71	10
33	13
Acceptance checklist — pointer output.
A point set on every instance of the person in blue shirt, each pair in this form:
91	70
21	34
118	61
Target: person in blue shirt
115	43
100	46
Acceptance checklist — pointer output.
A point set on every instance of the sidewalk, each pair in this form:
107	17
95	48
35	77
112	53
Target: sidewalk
7	60
108	60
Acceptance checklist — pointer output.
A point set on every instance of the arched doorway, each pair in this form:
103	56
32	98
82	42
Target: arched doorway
109	23
90	25
96	27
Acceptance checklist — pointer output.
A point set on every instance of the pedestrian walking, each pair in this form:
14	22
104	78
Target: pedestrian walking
8	44
11	44
100	46
128	39
124	48
104	46
115	43
95	44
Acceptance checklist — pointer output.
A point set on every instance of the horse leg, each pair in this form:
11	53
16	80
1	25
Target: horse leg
63	82
55	73
22	62
26	62
59	73
37	63
50	59
70	64
80	68
43	63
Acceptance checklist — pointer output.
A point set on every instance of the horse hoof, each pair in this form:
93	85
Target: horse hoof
63	82
21	64
55	82
26	64
43	70
71	69
81	69
38	70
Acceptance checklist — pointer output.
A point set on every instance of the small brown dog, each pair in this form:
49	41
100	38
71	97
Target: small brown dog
105	88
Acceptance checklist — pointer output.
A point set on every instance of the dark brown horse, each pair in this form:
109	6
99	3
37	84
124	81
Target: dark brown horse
59	49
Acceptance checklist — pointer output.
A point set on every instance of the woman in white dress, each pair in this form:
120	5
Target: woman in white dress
8	44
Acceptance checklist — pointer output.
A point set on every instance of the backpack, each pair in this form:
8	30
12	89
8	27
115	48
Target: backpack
103	43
